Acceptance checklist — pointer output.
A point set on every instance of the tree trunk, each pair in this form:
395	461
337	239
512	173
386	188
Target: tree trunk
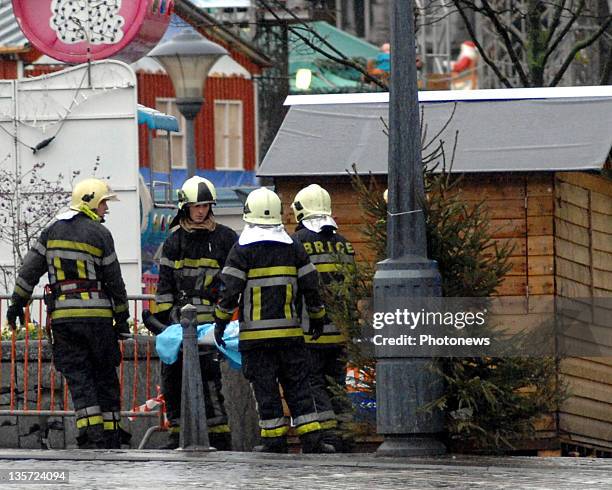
536	44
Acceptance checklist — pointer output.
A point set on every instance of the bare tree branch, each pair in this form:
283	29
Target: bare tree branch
481	51
503	33
556	20
338	57
573	18
581	45
605	76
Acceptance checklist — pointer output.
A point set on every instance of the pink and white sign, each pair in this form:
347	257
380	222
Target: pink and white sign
75	31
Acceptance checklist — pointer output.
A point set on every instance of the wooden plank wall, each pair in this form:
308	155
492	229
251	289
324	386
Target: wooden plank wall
583	253
521	211
345	207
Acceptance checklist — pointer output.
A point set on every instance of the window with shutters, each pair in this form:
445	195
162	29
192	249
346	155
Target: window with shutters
228	135
159	152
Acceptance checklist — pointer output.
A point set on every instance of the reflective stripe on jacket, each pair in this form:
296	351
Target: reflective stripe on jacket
329	252
79	256
189	269
266	277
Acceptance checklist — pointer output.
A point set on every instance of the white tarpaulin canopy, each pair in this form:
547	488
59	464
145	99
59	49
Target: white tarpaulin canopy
498	131
89	117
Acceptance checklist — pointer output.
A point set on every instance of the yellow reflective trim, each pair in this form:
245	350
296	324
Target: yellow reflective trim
121	308
22	292
203	262
57	263
256	303
174	429
222	314
82	313
204	318
82	247
279	270
326	339
311	427
112	425
219	429
84	295
207	281
318	314
328	267
61	297
271	334
163	307
82	273
288	297
86	421
328	424
278	432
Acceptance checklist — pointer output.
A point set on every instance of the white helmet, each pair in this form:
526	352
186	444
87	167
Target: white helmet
262	207
197	190
91	192
311	201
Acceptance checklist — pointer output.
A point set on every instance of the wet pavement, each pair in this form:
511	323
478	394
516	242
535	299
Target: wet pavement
152	470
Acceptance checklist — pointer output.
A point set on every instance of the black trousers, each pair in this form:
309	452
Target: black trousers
87	354
328	374
287	365
172	381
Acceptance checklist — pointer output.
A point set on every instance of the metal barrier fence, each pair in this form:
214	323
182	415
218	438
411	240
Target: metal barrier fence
35	388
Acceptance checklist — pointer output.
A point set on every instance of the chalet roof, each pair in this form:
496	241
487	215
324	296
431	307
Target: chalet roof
498	131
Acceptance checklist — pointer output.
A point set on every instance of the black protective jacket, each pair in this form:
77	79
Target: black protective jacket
84	273
330	252
266	278
189	270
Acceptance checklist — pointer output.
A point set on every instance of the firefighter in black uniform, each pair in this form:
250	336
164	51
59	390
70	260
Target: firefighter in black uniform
191	261
85	293
330	252
263	274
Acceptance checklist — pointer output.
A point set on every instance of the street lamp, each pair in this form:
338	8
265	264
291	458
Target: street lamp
187	59
404	385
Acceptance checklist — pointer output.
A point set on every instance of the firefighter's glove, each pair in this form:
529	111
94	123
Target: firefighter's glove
316	327
13	312
122	330
219	330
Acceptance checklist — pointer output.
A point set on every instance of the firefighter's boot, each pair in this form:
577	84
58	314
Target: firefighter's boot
331	437
91	437
313	443
273	445
173	440
112	439
221	441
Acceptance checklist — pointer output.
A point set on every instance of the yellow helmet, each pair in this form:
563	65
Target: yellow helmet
91	192
262	207
311	201
197	190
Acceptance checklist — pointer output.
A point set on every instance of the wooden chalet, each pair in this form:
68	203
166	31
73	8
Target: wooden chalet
535	156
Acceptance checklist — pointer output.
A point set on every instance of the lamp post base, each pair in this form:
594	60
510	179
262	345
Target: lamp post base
405	445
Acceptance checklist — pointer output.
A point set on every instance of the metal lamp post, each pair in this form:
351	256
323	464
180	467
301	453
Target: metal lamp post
187	59
405	384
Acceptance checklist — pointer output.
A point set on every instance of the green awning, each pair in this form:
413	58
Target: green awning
328	76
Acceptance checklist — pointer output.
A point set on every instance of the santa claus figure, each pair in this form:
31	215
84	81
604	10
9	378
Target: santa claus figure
467	58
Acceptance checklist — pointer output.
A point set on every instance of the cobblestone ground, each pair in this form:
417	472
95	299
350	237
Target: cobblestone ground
233	471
